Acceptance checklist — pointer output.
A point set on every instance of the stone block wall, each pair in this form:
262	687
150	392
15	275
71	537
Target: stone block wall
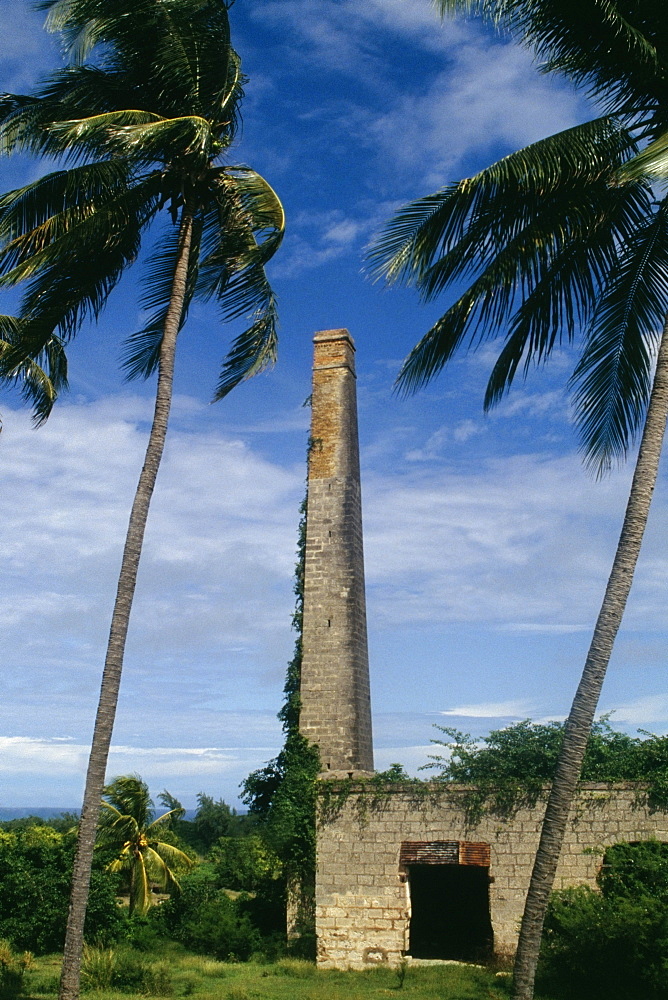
335	701
363	904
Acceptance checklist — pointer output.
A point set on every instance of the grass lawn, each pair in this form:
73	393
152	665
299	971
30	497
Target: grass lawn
178	973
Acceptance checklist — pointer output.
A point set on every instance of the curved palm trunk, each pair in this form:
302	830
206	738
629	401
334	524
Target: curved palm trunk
578	726
111	677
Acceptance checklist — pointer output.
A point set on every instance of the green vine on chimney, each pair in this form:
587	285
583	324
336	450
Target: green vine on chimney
282	794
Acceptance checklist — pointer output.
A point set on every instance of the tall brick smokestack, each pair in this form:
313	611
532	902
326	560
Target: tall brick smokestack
335	703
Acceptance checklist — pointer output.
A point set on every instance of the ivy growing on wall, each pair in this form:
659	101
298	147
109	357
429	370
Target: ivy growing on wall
507	770
282	793
511	768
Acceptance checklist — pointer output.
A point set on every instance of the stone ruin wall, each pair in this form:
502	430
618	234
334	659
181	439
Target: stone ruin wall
362	896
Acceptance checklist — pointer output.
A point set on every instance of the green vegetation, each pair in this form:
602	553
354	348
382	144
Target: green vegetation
35	874
612	944
511	767
13	968
181	974
281	795
223	933
213	819
228	901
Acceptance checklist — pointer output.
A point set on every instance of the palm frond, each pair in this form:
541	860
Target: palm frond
139	137
474	217
109	813
128	795
71	277
179	57
612	380
40	380
190	134
588	41
27	122
169	854
563	297
252	352
651	162
124	860
41	386
140	889
533	282
243	229
33	216
160	872
165	819
94	130
141	351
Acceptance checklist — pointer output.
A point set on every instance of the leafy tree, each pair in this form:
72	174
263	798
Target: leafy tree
213	819
511	767
245	864
35	877
564	239
146	111
635	870
128	829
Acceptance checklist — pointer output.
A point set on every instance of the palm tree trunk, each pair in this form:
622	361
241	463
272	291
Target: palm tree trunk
111	677
578	725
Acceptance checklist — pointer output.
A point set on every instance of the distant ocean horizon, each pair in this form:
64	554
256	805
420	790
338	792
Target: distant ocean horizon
52	812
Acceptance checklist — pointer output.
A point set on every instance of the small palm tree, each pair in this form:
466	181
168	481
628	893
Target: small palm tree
564	240
141	119
127	827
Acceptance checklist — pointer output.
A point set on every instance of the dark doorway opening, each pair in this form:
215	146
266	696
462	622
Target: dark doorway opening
450	912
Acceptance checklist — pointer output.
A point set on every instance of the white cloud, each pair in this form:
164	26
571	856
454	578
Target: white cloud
424	125
513	709
45	772
641	711
522	544
214	594
490	95
316	238
437	442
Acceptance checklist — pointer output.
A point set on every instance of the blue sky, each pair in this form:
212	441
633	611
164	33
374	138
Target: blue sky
487	544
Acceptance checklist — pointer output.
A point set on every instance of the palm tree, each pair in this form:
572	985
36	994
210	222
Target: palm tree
37	385
127	827
564	240
141	119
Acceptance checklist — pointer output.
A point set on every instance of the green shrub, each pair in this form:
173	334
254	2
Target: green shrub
245	864
12	970
604	948
204	918
221	931
35	875
97	968
143	934
633	870
124	971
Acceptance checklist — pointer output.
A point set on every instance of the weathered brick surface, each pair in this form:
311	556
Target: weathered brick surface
363	900
335	702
